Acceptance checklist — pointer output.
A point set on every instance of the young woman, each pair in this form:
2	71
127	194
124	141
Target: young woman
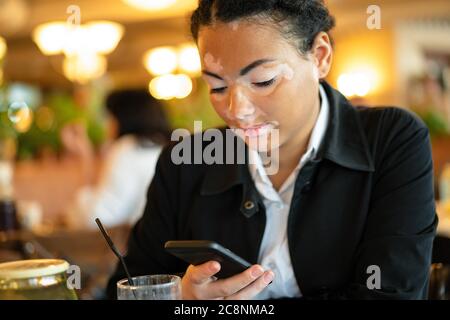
137	131
350	211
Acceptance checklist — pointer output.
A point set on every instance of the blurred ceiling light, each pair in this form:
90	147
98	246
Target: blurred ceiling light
104	36
159	61
2	47
162	87
50	37
76	41
99	37
150	4
189	59
183	86
358	83
170	86
84	67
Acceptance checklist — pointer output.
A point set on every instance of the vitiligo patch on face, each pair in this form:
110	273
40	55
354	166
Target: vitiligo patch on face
267	73
212	64
244	89
234	25
286	71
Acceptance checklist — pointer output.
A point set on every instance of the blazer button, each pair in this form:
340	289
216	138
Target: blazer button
307	187
249	205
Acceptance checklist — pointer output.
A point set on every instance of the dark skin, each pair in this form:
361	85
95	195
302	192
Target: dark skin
283	91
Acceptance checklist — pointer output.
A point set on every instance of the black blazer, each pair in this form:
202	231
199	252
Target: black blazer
367	199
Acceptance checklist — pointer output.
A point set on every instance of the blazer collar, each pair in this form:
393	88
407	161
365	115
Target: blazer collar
344	143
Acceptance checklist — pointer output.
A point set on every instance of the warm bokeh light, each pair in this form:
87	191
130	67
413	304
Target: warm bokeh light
77	41
170	86
50	37
150	4
189	59
162	87
104	36
183	86
160	61
20	115
99	37
26	119
45	118
356	83
2	47
82	68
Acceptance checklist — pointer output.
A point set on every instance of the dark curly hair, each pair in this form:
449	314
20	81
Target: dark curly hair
139	114
299	20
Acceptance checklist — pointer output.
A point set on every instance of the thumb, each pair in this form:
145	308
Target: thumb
203	272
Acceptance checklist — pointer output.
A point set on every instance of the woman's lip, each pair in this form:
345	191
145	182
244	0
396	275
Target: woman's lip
254	127
256	130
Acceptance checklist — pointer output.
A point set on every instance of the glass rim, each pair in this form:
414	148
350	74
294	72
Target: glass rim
174	280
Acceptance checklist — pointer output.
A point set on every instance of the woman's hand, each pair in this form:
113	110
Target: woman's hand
198	283
75	140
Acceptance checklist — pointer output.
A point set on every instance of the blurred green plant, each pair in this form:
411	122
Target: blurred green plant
436	123
58	109
61	110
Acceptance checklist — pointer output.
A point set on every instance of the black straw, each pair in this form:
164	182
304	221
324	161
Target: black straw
116	252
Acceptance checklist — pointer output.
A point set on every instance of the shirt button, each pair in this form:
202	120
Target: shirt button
249	205
279	206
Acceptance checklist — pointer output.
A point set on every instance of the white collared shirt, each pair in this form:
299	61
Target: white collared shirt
274	250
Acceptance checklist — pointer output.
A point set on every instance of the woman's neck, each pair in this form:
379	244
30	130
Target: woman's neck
290	153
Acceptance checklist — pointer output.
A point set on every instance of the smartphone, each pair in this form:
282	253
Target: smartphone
200	251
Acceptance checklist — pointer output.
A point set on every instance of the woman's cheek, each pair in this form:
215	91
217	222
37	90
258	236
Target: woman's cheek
221	109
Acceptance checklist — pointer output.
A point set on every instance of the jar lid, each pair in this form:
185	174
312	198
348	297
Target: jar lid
23	269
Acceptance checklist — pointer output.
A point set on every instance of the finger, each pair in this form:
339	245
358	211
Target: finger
254	288
203	272
229	286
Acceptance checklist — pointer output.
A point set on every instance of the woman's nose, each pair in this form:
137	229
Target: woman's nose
240	106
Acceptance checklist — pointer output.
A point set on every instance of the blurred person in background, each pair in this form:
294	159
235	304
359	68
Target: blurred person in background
137	129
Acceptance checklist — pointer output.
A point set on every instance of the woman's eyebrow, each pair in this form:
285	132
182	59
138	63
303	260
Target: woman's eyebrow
208	73
243	71
253	65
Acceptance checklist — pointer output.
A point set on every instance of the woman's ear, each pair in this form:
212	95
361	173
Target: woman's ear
322	54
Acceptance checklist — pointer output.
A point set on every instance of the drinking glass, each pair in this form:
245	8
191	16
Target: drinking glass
150	287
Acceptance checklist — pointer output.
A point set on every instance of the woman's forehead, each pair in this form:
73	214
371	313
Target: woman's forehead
231	46
237	34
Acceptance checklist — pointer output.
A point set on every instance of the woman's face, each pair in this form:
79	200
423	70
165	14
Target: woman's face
258	81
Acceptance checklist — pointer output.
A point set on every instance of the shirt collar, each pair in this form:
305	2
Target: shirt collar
318	132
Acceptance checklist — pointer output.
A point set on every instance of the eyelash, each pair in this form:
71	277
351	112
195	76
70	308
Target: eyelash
218	90
258	84
265	83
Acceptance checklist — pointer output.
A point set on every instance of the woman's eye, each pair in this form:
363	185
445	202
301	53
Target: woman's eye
265	83
218	90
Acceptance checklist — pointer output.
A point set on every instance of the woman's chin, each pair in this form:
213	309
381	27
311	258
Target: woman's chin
261	143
